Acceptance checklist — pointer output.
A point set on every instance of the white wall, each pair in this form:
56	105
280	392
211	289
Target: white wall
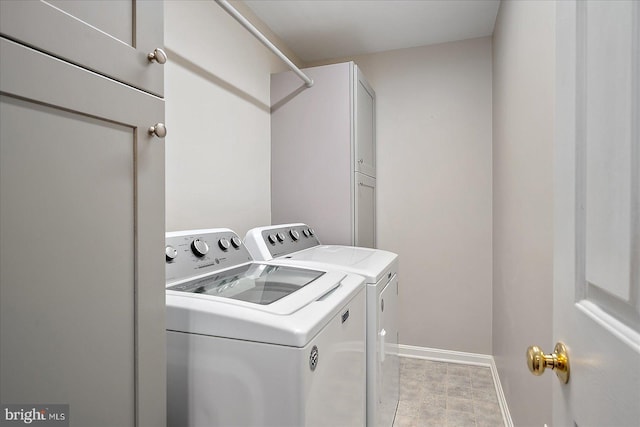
434	188
218	119
523	132
434	160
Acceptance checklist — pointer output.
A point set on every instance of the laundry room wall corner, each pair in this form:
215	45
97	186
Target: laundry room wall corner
523	138
433	137
218	118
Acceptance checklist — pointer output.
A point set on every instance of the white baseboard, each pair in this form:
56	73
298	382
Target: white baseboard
476	359
448	356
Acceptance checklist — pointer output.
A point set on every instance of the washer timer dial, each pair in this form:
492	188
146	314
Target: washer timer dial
199	247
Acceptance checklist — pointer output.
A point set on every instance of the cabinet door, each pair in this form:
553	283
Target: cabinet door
82	232
112	37
365	212
365	126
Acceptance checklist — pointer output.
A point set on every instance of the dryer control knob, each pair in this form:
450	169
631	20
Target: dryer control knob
199	247
272	239
236	242
312	232
306	232
280	237
223	243
294	234
170	253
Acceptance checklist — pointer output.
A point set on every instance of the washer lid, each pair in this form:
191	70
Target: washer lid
255	283
370	263
291	320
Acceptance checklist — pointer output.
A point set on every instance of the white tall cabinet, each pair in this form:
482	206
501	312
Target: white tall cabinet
82	210
323	157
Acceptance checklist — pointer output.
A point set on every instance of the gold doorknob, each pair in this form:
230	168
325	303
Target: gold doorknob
537	361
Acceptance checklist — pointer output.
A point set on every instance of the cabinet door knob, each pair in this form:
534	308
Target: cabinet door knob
157	55
158	130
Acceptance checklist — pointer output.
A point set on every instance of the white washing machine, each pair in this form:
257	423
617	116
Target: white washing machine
260	343
297	244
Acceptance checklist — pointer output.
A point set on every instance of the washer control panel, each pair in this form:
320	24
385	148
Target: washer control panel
195	252
282	240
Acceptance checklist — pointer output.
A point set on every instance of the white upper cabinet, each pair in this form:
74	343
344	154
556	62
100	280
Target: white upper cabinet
323	153
112	38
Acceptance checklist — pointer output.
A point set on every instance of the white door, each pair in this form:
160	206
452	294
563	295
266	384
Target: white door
597	200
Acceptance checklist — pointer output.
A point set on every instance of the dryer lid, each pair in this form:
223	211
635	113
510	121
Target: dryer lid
369	263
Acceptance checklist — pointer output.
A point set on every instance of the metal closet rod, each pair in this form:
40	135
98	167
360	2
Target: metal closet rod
265	41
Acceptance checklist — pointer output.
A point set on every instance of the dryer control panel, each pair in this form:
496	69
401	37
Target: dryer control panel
194	252
275	241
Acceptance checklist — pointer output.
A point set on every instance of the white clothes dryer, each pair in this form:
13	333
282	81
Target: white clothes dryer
297	244
260	343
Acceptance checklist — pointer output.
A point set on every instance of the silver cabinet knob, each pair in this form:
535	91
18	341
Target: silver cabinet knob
158	55
158	130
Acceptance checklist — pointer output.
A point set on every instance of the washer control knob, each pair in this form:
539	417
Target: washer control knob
223	243
199	247
280	237
294	234
272	239
306	232
312	232
236	242
170	253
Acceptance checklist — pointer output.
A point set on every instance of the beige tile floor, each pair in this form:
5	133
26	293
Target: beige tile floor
446	395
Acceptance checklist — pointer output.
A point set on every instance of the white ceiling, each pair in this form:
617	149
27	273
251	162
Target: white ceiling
323	29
